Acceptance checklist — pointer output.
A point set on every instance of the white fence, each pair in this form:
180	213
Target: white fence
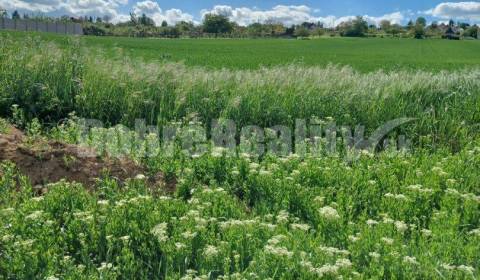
41	26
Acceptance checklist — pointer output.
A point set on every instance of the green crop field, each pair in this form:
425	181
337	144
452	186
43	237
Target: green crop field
362	54
305	213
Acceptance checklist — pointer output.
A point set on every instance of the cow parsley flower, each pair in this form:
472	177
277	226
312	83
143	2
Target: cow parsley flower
302	227
410	260
210	251
401	226
387	240
329	213
35	215
160	231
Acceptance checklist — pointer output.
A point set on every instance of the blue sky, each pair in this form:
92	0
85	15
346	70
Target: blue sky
330	12
325	7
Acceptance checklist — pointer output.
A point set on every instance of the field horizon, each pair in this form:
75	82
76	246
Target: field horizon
362	54
84	194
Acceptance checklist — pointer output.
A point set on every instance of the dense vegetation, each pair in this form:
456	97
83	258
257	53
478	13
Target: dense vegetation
365	55
390	215
215	25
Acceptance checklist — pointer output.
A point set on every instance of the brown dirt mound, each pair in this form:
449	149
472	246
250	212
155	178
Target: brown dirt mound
50	161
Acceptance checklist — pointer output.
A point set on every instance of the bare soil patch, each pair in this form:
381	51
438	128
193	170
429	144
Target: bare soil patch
50	161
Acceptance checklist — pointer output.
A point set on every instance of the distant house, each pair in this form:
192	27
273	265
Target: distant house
451	34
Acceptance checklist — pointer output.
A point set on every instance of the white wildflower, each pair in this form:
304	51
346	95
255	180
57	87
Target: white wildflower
447	266
401	226
466	268
331	251
343	263
278	251
387	240
282	216
103	202
326	269
37	199
179	245
329	213
35	215
426	232
302	227
105	266
210	251
189	235
319	199
353	238
410	260
475	232
160	231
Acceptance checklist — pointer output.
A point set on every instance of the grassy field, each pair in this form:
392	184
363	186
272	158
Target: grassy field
362	54
385	215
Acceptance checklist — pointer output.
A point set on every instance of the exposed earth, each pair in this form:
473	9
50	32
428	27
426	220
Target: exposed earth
51	161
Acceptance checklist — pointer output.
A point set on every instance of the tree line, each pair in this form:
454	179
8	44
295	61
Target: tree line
220	26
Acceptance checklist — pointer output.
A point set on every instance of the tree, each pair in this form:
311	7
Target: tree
15	15
301	31
410	25
418	31
184	27
146	21
385	25
463	25
354	28
395	29
289	31
217	24
164	23
471	31
421	21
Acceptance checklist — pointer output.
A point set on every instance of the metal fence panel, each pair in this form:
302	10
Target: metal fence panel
9	24
78	29
70	28
35	25
31	25
52	27
42	26
21	25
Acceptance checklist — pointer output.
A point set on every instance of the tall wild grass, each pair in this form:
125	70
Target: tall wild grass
49	82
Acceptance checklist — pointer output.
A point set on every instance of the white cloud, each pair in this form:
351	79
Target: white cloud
67	7
289	15
284	14
459	10
97	8
153	10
